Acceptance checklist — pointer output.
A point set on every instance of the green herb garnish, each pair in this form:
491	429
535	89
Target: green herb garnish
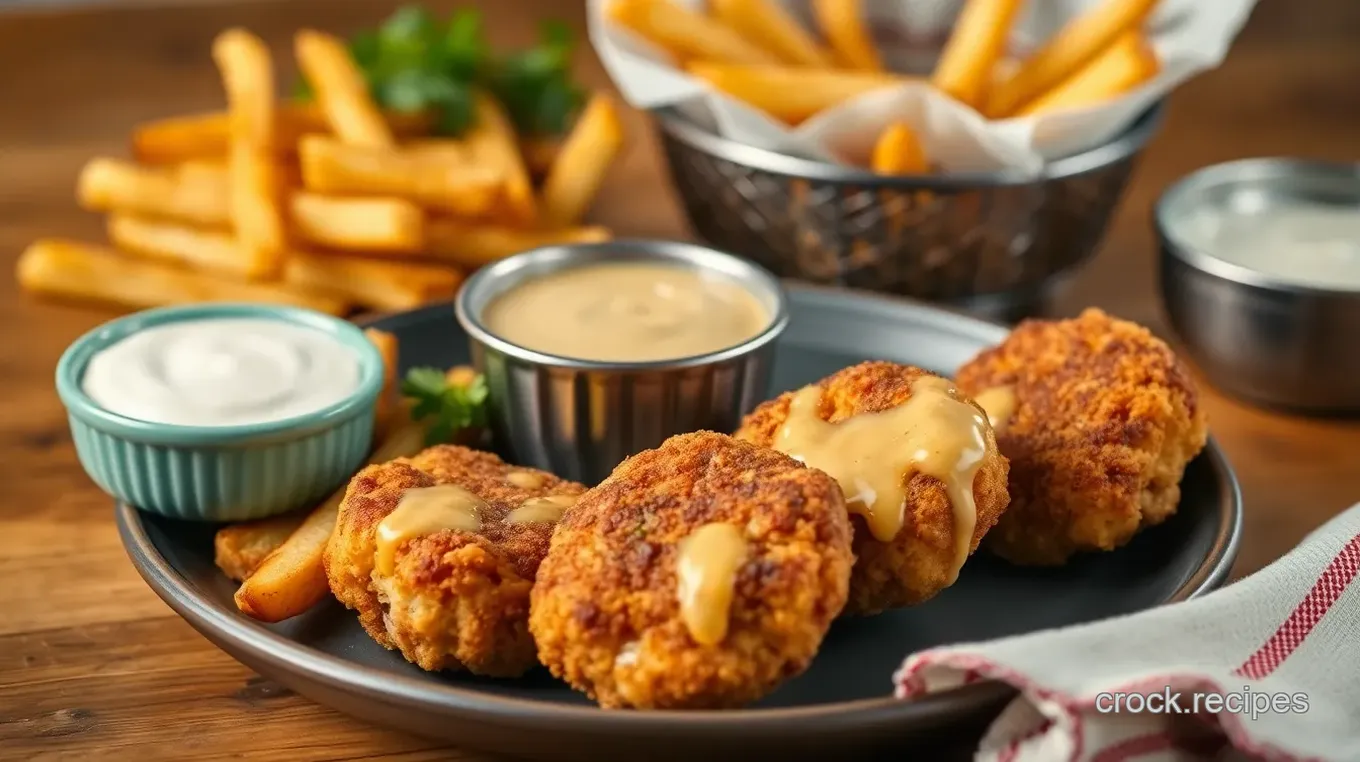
450	409
536	85
416	62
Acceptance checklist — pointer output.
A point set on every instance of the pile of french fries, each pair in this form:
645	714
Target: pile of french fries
332	205
756	51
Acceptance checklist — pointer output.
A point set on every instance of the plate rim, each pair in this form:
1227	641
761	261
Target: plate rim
284	654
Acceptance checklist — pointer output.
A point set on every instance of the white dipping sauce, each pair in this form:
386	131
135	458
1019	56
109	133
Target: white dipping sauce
1296	241
222	372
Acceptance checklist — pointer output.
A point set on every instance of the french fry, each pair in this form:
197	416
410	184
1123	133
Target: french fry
492	141
686	34
372	283
86	272
205	136
203	169
447	149
107	185
389	399
182	138
208	250
788	93
1075	45
248	78
369	225
1128	63
439	181
239	549
899	152
255	188
978	41
341	90
1003	70
539	152
292	579
769	25
473	244
842	24
576	176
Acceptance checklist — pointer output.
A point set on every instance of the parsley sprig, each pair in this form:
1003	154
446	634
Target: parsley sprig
416	62
452	410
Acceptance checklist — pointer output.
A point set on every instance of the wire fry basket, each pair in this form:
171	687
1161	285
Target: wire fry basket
990	241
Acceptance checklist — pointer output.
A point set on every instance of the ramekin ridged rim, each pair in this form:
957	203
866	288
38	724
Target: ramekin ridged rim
71	368
556	257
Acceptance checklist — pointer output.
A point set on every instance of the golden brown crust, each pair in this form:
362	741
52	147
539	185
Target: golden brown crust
1106	419
608	585
455	600
918	563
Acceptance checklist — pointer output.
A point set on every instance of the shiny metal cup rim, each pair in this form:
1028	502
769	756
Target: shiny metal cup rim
1281	170
497	278
1119	148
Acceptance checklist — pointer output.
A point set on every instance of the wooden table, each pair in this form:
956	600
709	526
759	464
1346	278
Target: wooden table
92	663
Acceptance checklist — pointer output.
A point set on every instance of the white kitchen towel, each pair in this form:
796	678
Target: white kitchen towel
1271	664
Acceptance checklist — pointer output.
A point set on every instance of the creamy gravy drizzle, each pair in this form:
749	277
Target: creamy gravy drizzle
999	402
873	455
541	510
706	570
626	312
424	511
525	479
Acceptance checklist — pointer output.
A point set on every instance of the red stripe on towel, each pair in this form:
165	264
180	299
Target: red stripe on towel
1301	621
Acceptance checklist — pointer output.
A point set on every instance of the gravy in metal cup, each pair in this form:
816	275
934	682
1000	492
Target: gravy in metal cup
627	312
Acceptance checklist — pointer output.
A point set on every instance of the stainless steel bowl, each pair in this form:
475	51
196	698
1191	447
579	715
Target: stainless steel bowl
580	418
990	242
1256	337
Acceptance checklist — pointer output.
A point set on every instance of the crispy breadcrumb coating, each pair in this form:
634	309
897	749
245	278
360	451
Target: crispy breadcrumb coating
1106	419
455	600
918	563
606	613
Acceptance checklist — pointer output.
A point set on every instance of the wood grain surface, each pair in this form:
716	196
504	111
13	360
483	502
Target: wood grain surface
94	666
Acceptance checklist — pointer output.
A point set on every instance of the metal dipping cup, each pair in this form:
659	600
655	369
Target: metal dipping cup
580	418
1257	336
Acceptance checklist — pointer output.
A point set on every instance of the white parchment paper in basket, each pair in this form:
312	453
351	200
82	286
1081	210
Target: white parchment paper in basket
1190	36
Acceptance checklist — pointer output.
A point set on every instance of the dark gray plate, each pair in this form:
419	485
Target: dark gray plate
842	705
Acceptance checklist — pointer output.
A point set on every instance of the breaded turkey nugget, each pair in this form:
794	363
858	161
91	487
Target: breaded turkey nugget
922	559
1105	419
455	599
607	607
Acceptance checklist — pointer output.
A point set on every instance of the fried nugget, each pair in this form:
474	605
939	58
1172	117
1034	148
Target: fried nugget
1105	419
923	557
455	599
607	609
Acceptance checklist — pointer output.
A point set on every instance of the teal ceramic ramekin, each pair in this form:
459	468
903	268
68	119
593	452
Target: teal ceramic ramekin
221	473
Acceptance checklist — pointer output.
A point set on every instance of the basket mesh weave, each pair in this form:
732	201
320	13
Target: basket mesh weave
929	244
